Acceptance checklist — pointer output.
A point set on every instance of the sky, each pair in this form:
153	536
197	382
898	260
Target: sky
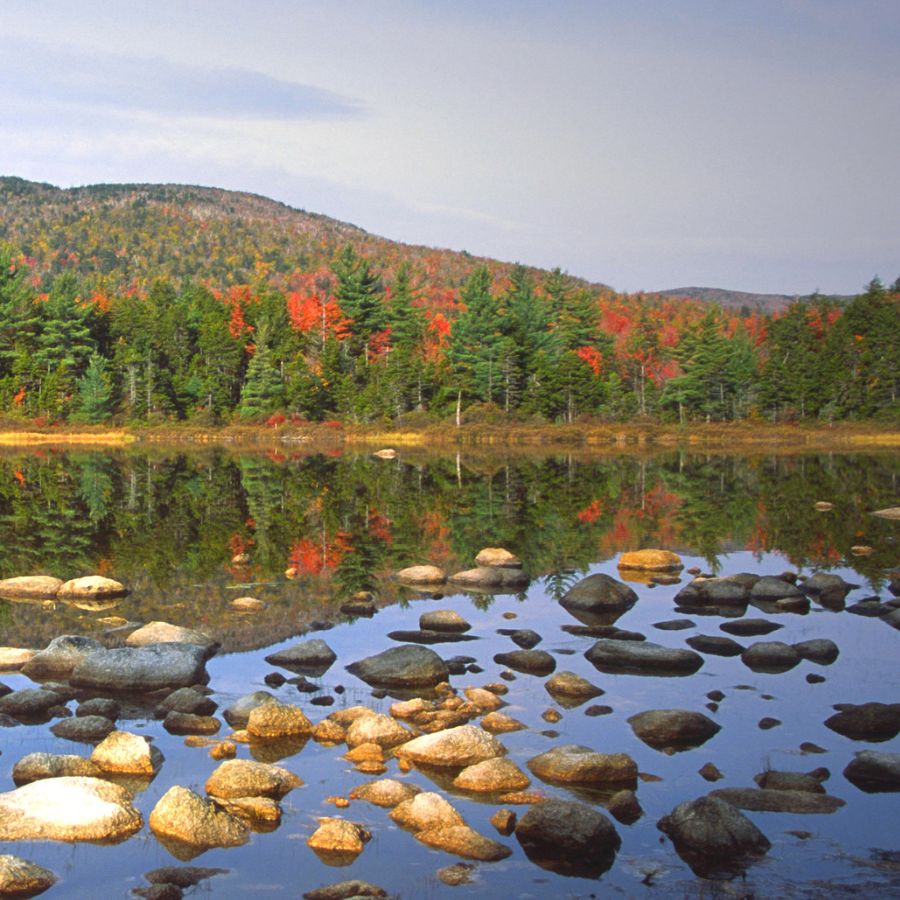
645	144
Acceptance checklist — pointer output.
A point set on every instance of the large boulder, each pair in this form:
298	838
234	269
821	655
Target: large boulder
21	878
166	633
651	561
36	766
85	729
277	720
31	587
770	587
576	764
672	730
499	557
443	620
247	778
312	657
770	656
68	809
57	660
460	746
874	722
818	650
642	658
492	776
29	703
185	818
713	836
727	590
409	666
422	575
425	811
128	754
91	587
568	838
874	772
598	595
143	669
491	578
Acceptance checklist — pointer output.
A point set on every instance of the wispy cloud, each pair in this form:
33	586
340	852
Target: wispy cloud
46	75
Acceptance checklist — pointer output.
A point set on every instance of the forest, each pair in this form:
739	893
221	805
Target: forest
317	321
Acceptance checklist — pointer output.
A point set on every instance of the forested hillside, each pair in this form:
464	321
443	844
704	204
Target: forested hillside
153	303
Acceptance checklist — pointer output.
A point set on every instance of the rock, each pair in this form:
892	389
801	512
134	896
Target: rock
713	836
767	722
759	800
874	722
672	730
770	656
750	627
486	701
91	587
821	651
790	781
675	625
86	729
831	585
187	700
68	809
461	840
531	662
497	556
29	703
166	633
798	605
362	603
377	729
717	646
246	778
524	638
408	666
422	575
385	453
36	766
500	723
443	620
31	587
142	669
504	820
455	875
576	764
407	636
892	512
425	811
247	604
710	772
491	578
460	746
187	723
571	690
771	587
21	878
99	706
182	876
651	561
13	658
238	713
126	753
624	807
644	657
597	596
60	657
874	772
569	838
185	818
346	890
729	590
313	657
276	720
385	792
338	836
492	775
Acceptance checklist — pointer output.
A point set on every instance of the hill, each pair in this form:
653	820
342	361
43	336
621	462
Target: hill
742	301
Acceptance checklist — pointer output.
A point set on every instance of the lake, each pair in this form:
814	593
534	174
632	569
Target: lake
188	533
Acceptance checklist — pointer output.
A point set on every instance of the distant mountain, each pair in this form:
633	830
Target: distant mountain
741	300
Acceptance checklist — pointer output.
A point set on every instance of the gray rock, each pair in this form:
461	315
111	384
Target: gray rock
99	706
713	836
750	627
346	890
166	633
576	764
874	772
238	713
715	645
819	650
675	625
569	838
791	781
599	595
60	657
642	657
29	703
770	587
91	587
429	637
187	700
36	766
763	800
831	585
491	578
182	876
404	667
143	669
443	620
571	690
68	809
672	730
187	723
21	878
531	662
525	638
312	657
86	729
770	656
874	722
729	590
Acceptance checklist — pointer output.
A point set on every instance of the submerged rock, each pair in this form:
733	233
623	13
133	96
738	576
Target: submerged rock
713	836
492	775
166	633
36	766
460	746
651	561
385	792
770	656
21	878
313	657
874	772
60	657
787	801
31	587
750	627
142	669
127	753
874	722
599	594
409	666
531	662
642	657
247	778
68	809
461	840
491	578
576	764
569	838
186	818
715	645
672	730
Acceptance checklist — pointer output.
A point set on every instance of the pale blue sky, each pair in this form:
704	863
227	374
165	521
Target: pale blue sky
643	143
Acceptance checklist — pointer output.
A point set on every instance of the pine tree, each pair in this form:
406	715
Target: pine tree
360	296
262	392
94	392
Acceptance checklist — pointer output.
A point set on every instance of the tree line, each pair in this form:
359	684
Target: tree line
346	342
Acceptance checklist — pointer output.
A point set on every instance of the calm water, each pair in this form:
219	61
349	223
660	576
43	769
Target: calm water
189	533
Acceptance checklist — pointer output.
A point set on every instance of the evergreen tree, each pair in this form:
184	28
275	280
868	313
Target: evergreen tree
94	392
407	324
262	392
360	296
19	326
